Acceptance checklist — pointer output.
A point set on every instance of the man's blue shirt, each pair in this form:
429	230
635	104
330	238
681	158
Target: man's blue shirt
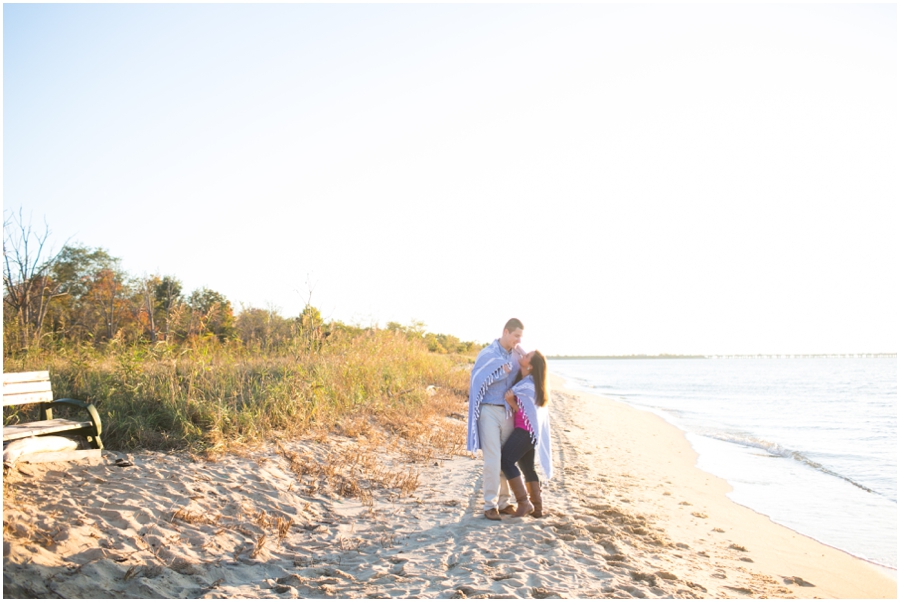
497	389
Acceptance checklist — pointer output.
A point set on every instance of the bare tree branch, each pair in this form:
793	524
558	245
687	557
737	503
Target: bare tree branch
27	288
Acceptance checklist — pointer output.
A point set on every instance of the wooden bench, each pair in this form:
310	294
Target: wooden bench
20	388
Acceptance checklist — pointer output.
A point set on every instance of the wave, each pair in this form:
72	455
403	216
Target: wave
778	450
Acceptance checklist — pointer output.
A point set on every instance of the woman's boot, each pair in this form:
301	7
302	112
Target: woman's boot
523	506
534	492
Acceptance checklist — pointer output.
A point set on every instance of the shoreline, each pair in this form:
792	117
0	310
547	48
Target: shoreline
887	569
775	548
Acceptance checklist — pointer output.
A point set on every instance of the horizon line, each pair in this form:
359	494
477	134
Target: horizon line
725	355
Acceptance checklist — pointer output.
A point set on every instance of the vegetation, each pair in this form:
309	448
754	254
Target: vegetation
169	370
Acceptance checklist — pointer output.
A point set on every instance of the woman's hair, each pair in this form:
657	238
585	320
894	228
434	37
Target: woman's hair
539	374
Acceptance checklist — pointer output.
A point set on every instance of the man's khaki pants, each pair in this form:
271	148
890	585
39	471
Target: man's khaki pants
494	428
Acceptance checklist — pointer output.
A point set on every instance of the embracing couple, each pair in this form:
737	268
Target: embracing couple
509	423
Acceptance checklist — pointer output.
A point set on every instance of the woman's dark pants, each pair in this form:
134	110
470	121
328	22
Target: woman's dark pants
518	449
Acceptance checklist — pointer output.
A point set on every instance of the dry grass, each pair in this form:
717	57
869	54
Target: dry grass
283	526
258	546
262	520
421	433
215	397
191	518
383	395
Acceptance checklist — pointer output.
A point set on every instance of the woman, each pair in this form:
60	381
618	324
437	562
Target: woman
528	398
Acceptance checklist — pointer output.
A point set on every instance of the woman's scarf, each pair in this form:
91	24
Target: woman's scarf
537	419
487	370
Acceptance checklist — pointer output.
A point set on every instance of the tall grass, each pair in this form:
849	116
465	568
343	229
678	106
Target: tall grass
218	396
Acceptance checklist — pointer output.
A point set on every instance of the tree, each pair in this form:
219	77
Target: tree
77	263
310	319
156	298
28	288
78	270
263	326
168	296
108	295
252	325
210	312
415	330
146	310
311	327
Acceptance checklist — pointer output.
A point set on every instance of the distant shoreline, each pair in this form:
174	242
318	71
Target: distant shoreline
725	356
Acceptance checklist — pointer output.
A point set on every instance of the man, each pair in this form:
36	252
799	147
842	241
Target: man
490	419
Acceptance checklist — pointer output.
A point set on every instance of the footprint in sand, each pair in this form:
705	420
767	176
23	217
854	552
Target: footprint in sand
542	593
634	591
696	586
647	578
797	581
666	575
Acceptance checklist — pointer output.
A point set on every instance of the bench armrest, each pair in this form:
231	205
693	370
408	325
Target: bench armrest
95	417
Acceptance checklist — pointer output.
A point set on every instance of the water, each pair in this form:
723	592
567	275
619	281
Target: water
811	443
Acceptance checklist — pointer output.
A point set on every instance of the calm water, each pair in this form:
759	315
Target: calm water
811	443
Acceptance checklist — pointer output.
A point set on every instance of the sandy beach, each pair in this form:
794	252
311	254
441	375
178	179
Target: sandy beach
629	515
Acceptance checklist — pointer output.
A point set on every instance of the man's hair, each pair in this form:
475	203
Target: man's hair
512	324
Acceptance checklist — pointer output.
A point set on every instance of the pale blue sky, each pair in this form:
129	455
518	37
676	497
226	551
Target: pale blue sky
624	179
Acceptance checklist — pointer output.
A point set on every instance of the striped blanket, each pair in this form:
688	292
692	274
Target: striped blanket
487	370
537	419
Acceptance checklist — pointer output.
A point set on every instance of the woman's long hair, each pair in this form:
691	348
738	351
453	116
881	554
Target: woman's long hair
539	374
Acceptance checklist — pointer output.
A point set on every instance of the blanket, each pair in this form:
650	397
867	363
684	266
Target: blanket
538	421
34	445
487	370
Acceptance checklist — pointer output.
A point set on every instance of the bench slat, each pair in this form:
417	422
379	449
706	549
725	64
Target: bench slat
26	387
22	398
44	427
24	377
29	387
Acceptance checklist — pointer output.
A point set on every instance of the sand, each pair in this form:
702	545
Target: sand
629	516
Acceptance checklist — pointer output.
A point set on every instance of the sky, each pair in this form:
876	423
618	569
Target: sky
624	179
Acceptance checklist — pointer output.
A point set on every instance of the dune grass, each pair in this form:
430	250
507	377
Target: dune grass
213	396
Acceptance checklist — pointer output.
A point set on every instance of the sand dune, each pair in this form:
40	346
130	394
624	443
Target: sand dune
629	516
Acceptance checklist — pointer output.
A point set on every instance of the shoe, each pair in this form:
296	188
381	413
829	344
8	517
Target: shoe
492	514
534	492
523	506
508	510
